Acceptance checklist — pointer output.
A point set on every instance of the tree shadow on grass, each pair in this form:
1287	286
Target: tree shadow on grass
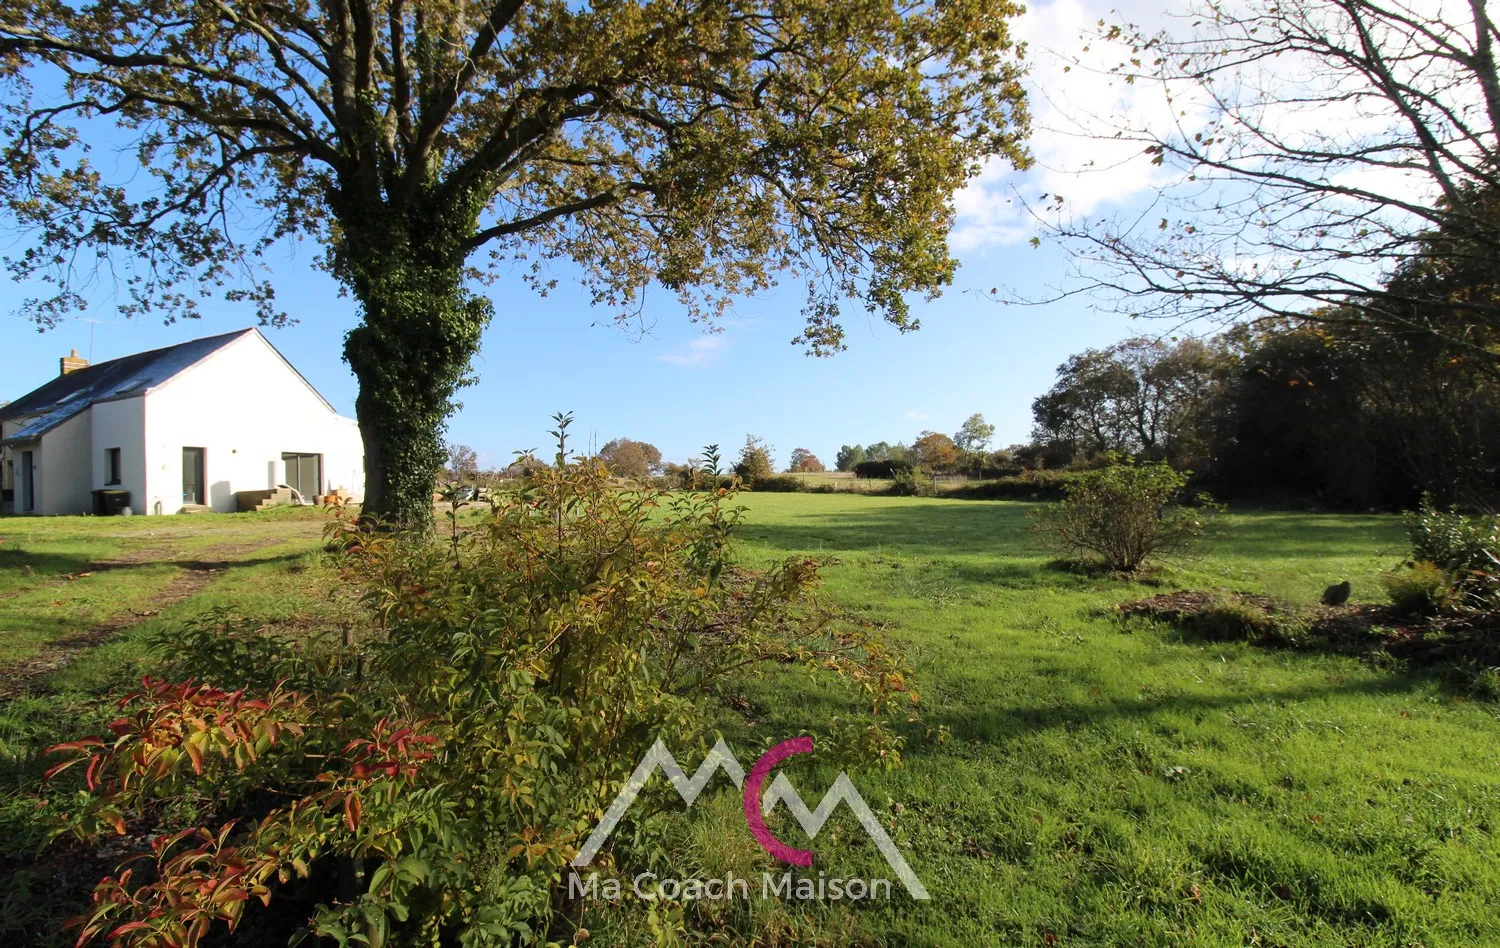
42	620
42	565
992	724
930	528
1267	533
936	527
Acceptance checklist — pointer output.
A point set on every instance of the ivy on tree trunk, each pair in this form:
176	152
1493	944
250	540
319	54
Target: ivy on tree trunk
412	351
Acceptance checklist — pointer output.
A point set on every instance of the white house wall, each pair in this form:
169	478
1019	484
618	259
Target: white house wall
244	406
65	475
120	424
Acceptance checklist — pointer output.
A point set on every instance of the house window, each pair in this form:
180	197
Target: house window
111	466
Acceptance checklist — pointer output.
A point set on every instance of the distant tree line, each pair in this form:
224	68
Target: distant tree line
1339	410
965	452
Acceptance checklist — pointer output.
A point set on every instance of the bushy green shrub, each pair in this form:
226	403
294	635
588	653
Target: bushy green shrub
1028	485
1230	618
1466	548
1451	540
431	788
755	461
882	470
910	482
780	484
1123	515
1418	587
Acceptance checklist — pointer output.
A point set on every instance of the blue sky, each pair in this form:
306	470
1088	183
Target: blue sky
675	387
679	388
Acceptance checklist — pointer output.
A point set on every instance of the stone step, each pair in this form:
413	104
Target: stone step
257	500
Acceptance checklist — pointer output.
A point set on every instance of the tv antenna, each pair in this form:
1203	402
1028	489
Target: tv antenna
92	323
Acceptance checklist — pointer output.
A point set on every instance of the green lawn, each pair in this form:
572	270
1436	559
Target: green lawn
1075	781
63	577
1071	780
65	644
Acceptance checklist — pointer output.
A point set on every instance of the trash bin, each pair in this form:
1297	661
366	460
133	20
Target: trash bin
111	503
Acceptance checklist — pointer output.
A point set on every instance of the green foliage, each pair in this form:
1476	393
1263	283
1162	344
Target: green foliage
433	785
1028	485
780	483
1465	549
1418	587
849	456
1141	396
975	434
1123	515
910	482
884	468
755	462
1451	540
1231	618
421	325
885	451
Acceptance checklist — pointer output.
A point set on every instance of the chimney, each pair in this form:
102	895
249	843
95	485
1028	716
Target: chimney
71	363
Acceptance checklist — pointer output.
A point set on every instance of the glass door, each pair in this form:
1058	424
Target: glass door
27	488
192	475
304	473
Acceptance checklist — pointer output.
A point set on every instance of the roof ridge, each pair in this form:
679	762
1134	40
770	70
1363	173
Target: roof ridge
62	397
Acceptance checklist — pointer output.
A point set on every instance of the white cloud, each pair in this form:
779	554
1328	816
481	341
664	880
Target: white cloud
1077	106
705	350
1074	101
916	416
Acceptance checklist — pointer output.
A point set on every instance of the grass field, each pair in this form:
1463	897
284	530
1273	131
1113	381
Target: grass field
1074	781
1071	779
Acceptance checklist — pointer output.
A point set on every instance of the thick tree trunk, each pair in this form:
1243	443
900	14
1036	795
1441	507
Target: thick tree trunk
411	352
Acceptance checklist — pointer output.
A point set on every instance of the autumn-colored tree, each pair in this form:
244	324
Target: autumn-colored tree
934	451
428	146
804	461
627	458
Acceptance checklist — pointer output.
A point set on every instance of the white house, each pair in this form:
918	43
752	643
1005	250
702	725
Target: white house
180	428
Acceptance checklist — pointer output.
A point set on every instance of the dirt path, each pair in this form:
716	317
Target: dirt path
193	578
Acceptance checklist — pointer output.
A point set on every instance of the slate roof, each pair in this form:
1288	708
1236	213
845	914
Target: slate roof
67	395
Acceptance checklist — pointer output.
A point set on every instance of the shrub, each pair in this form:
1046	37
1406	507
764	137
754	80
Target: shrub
755	461
881	469
1466	548
1122	515
433	787
1230	618
780	484
1029	485
910	482
1418	587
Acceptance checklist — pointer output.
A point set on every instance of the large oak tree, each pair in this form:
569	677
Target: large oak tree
708	146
